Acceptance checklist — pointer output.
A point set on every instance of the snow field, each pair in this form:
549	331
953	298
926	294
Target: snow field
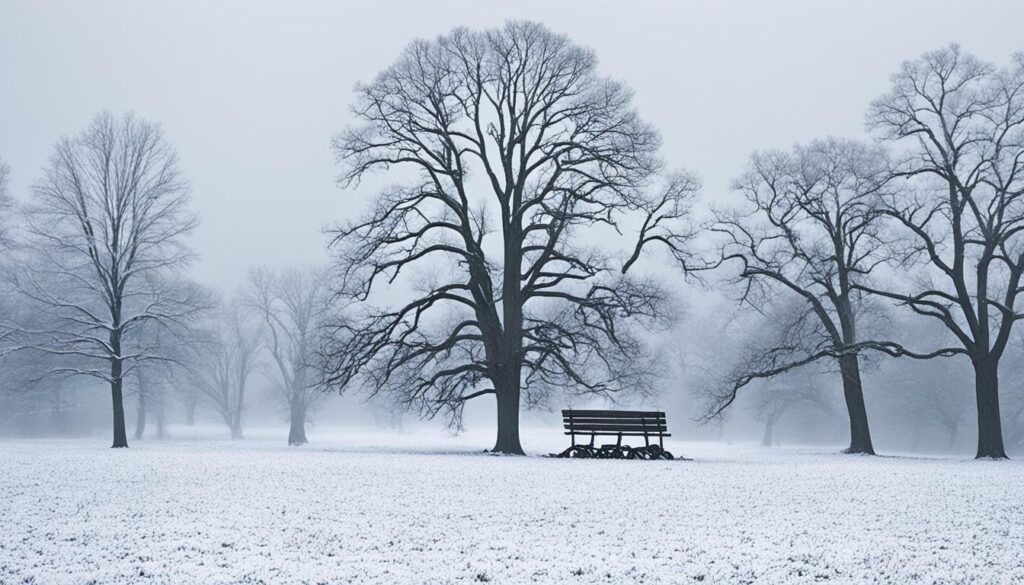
396	509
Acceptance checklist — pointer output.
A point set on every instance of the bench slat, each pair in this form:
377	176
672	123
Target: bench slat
594	427
612	413
624	434
625	421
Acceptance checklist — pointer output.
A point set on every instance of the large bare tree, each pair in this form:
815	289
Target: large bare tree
293	306
808	230
961	213
510	146
106	229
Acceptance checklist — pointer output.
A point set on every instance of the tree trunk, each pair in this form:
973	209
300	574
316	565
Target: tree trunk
766	439
236	426
116	391
297	430
161	422
508	421
59	412
916	436
140	415
120	434
990	428
860	434
190	411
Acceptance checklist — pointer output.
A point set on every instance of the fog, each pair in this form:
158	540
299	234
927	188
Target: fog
251	94
529	292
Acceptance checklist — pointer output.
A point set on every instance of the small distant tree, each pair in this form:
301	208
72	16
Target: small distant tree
960	211
148	399
785	394
224	359
933	394
293	306
387	415
1013	373
105	226
6	330
513	146
27	392
189	395
154	380
6	204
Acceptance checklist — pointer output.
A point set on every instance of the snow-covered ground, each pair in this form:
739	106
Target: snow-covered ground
395	509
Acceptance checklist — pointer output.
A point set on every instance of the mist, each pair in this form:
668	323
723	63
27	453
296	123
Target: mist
738	248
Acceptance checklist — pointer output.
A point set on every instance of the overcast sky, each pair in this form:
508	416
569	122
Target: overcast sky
250	93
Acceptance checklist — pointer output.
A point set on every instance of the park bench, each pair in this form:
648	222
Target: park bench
619	424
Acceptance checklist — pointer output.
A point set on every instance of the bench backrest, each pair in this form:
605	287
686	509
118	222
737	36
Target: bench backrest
614	422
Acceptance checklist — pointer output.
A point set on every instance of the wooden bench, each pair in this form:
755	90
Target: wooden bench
619	424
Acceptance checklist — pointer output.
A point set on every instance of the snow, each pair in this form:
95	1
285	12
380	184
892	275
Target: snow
356	507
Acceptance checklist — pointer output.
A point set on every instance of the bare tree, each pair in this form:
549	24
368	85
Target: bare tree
26	393
154	378
387	415
147	399
105	227
224	361
515	145
190	398
962	212
1013	373
26	397
930	394
5	204
293	306
808	230
783	395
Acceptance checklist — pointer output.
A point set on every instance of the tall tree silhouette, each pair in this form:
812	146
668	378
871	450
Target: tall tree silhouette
510	144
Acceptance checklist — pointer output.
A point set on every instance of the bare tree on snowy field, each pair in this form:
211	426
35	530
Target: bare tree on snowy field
189	395
516	144
930	395
225	360
962	121
26	392
153	378
25	396
808	230
147	399
387	415
1012	370
106	227
785	394
293	306
927	395
5	242
5	204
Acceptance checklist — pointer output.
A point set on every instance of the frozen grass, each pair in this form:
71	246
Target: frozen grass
396	509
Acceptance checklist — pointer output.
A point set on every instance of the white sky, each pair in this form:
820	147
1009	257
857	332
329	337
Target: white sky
250	93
